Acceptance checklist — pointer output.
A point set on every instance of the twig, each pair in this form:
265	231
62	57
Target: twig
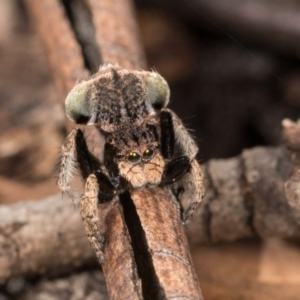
38	238
245	198
117	33
63	52
167	245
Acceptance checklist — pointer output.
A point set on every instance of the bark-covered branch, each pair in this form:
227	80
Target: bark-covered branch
245	198
41	237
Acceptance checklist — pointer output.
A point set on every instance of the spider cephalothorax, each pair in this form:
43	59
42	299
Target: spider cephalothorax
115	96
146	144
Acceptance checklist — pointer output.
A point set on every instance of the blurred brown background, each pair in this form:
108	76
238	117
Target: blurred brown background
232	81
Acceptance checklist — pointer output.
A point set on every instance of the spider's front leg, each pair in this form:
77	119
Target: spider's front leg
67	165
184	170
89	212
193	190
98	187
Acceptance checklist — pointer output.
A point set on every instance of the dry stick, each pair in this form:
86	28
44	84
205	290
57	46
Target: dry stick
115	34
246	197
167	244
62	50
41	238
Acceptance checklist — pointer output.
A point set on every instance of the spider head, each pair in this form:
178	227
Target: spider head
137	156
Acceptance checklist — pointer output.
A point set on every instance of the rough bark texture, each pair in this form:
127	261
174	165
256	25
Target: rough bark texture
41	237
120	269
62	50
167	244
246	198
117	33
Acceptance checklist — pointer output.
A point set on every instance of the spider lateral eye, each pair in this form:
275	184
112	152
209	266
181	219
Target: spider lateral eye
148	154
120	156
133	157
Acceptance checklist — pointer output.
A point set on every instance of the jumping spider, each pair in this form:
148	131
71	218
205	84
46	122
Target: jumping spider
146	144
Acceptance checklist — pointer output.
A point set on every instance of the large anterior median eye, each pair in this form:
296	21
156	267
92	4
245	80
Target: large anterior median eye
148	154
133	157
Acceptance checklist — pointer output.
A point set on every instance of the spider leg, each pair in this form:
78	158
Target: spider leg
99	188
67	164
184	168
89	212
178	166
167	138
175	169
188	180
193	190
183	139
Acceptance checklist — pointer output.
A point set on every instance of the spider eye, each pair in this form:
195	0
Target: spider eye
119	156
148	153
133	157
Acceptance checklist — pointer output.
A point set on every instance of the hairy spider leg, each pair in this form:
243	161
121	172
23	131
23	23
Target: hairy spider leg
182	137
178	166
72	154
167	135
89	164
191	177
98	188
175	170
193	190
89	212
67	165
